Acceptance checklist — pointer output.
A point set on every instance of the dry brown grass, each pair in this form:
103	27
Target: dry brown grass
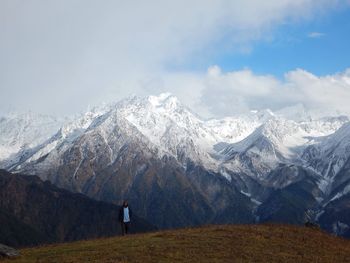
225	243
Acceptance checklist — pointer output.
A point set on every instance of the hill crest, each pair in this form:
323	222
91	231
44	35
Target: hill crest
214	243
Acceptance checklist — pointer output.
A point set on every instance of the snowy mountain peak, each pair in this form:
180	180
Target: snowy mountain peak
275	134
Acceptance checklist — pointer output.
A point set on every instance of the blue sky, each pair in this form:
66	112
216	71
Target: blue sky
293	46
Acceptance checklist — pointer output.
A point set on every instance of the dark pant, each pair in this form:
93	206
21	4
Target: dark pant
125	228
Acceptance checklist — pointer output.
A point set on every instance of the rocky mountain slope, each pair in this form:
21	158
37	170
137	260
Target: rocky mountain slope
178	169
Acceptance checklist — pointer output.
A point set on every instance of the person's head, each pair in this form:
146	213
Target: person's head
125	203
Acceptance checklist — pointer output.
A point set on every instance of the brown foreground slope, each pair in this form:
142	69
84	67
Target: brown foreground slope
219	243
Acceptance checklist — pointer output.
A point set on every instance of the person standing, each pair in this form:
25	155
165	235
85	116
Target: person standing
125	215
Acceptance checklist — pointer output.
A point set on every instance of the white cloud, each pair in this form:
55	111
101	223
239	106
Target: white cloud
225	94
315	35
59	56
325	92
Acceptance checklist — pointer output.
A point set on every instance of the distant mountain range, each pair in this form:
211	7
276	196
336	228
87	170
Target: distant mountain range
34	212
179	170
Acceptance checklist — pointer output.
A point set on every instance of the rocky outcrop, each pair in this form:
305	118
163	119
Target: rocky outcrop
8	252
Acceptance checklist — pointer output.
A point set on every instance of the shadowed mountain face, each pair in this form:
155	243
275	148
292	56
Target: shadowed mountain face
162	191
178	170
290	204
16	233
34	212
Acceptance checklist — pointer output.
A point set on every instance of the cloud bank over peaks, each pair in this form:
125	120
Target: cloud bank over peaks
220	94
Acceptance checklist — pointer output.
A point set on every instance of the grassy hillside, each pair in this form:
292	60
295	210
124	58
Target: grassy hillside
225	243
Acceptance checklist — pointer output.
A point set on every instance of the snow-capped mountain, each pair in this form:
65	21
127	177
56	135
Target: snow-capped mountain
279	140
22	131
329	154
330	157
174	130
154	150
